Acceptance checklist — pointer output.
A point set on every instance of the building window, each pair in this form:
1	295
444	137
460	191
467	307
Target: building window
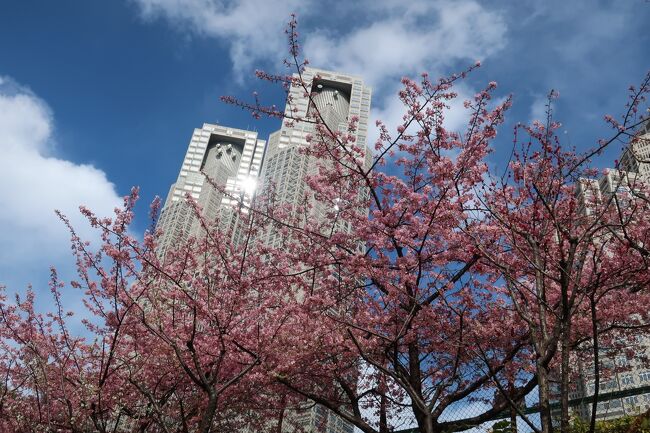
631	400
627	379
622	361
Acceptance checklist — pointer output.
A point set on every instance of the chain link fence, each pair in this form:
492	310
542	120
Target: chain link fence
630	402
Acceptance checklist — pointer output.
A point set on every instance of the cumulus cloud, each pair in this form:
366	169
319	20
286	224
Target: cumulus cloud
580	26
406	39
253	28
34	182
411	37
378	40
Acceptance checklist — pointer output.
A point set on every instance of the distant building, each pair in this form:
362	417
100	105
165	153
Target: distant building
632	174
636	156
614	186
618	373
233	159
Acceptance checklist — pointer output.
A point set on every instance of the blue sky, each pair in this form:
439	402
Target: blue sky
98	96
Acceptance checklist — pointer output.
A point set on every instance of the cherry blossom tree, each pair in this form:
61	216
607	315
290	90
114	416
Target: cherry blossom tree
412	305
565	256
450	247
172	345
427	282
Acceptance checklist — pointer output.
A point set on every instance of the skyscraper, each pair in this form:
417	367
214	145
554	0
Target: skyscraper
338	98
232	158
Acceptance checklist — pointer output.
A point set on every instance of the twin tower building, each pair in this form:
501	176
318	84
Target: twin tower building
240	163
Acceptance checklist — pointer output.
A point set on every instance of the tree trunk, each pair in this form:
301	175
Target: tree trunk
383	406
513	410
208	414
544	393
564	373
596	353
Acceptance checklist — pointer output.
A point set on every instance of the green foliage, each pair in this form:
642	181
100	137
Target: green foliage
618	425
623	424
502	427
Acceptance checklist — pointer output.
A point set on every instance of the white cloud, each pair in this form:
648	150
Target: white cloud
253	28
406	38
538	109
33	183
410	38
580	26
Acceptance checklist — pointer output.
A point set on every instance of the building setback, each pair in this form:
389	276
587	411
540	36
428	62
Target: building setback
232	158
